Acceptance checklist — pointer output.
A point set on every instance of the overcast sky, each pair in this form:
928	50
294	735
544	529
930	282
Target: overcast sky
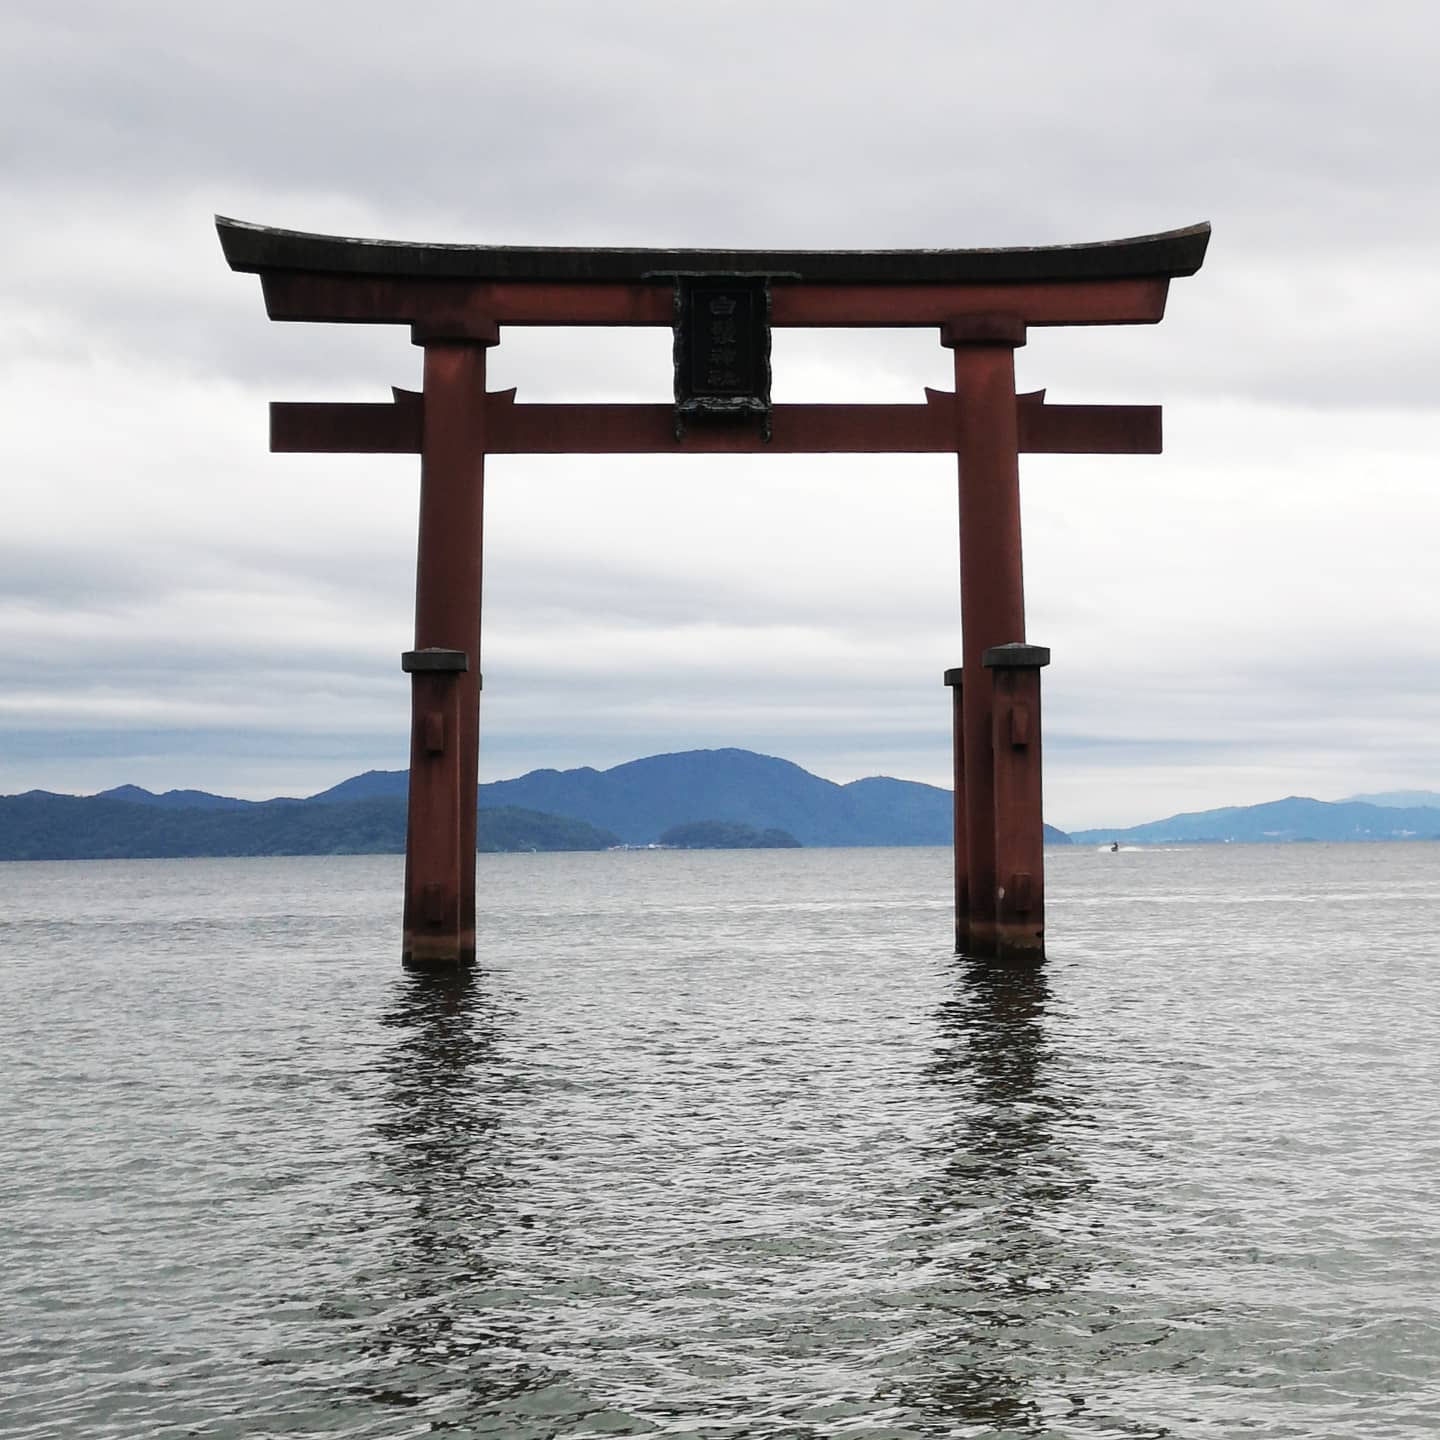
1253	614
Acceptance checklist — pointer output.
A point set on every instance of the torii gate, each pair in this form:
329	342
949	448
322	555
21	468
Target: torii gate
721	306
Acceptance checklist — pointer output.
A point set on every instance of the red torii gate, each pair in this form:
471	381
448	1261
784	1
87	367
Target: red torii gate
721	306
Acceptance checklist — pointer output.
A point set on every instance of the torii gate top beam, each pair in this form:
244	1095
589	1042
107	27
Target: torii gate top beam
258	248
327	277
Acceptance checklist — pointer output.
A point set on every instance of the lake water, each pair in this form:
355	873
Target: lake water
723	1144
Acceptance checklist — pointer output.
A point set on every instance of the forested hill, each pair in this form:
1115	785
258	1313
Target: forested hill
40	826
643	798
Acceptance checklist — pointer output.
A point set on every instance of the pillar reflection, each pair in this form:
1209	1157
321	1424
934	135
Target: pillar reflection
447	1338
996	1263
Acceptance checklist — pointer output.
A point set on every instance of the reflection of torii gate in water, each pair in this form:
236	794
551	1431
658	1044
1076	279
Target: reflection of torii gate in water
721	306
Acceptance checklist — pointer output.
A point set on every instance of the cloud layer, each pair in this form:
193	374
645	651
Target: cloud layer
1254	613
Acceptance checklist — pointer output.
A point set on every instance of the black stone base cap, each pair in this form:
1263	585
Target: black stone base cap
1017	656
1006	943
439	962
434	658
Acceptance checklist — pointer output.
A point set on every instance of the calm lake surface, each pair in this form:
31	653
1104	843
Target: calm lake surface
723	1144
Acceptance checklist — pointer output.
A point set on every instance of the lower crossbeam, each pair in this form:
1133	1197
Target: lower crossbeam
511	429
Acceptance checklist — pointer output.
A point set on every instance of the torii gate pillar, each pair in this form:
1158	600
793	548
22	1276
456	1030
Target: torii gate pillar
444	667
992	590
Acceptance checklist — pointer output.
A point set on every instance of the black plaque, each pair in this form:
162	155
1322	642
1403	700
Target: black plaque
722	349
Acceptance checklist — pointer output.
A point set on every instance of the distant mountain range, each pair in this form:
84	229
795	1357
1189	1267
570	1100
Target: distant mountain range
1295	818
634	803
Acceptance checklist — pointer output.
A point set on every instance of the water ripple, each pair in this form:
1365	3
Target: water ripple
723	1145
